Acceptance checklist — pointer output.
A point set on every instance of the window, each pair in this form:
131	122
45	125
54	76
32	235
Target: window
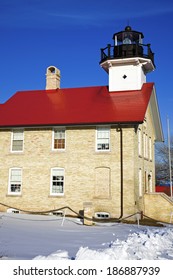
150	180
146	146
17	141
102	182
57	181
145	123
150	149
145	138
139	143
146	182
15	181
140	182
103	139
59	139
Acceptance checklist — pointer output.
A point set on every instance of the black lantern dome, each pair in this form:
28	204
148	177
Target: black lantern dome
127	43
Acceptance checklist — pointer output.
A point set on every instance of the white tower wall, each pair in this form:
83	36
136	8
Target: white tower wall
126	77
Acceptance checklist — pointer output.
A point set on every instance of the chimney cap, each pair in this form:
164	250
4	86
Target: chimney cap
53	70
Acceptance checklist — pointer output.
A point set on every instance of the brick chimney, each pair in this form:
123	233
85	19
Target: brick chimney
52	78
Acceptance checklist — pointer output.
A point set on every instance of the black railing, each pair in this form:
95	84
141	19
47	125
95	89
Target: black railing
127	51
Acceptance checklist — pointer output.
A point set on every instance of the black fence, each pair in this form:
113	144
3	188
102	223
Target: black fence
127	51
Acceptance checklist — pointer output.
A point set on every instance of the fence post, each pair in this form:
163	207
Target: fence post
138	216
63	219
88	213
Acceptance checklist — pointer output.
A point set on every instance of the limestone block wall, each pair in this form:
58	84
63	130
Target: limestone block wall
158	206
144	163
90	176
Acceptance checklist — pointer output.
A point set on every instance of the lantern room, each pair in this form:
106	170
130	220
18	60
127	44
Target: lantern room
128	37
127	43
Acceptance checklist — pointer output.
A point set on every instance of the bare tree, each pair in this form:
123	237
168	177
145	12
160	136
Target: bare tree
162	162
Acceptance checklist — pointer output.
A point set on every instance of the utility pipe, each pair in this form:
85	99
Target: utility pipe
121	172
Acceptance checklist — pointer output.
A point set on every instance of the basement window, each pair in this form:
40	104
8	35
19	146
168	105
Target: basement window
102	215
12	210
58	213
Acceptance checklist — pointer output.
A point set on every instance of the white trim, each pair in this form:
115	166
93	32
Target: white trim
9	182
146	145
153	104
57	194
150	181
150	146
140	182
145	63
139	142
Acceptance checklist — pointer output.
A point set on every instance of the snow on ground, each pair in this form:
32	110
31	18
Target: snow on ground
47	237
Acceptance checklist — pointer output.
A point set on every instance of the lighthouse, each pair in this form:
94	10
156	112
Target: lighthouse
127	61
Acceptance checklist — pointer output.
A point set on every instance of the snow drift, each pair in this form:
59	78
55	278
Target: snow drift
146	245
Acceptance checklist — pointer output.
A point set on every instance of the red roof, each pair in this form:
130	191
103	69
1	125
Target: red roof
87	105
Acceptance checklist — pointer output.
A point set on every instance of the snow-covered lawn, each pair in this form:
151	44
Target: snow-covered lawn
27	237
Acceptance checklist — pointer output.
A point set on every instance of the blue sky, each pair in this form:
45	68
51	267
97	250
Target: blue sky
69	34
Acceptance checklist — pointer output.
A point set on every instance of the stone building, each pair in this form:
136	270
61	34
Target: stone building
90	148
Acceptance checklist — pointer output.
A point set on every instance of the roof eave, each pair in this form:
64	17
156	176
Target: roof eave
117	123
156	117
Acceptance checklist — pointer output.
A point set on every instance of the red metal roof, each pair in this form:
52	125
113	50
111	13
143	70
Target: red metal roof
87	105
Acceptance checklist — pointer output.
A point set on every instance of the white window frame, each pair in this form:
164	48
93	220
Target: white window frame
53	138
103	129
145	144
144	147
150	149
12	140
140	182
62	170
139	142
150	182
13	181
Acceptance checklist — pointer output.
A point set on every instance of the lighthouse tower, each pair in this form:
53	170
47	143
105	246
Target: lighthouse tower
128	61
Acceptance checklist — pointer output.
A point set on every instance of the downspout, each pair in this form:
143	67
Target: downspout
121	172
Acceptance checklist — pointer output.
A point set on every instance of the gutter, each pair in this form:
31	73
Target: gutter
121	172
